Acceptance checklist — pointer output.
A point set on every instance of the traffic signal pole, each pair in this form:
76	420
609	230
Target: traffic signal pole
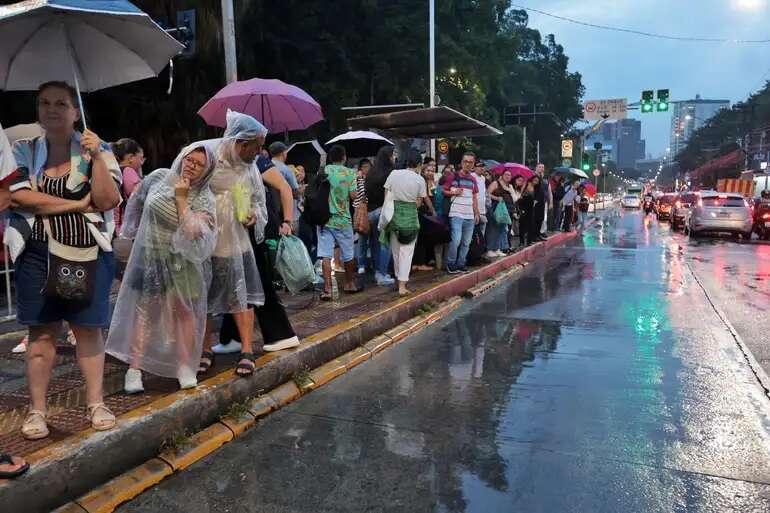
228	37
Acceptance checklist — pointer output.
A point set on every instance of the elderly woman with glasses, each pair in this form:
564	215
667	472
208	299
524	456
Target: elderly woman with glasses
160	316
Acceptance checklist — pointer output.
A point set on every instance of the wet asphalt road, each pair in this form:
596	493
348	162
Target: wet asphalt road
602	380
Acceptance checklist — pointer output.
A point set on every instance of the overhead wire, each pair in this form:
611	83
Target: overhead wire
641	32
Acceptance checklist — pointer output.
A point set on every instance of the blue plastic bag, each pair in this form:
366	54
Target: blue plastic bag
293	262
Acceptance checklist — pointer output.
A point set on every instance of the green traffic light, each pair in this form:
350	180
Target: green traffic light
586	167
647	107
662	106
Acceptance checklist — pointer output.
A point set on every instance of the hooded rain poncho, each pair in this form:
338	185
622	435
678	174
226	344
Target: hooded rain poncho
160	316
240	193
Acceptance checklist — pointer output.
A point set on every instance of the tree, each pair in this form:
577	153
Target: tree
348	53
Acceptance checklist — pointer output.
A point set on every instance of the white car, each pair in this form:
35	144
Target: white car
631	201
720	212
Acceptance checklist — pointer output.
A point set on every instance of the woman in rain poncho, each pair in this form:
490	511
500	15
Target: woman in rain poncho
160	315
240	199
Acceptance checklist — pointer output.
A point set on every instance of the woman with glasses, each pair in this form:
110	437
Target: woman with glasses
160	316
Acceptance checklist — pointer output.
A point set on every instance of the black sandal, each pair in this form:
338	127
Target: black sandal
250	367
204	367
7	459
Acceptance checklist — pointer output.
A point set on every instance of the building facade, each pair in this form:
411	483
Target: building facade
688	116
621	142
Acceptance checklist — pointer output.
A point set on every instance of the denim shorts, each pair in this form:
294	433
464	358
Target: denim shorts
34	309
342	236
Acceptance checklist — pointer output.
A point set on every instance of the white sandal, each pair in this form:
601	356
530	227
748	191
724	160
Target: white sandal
107	421
35	427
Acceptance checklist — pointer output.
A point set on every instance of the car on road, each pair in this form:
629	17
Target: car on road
681	209
664	206
720	212
631	201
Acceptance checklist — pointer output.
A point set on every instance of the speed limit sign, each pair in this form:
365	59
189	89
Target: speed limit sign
566	148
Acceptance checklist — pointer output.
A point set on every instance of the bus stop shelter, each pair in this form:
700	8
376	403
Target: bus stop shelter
428	123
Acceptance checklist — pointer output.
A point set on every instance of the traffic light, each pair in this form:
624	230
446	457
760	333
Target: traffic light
662	100
586	166
647	97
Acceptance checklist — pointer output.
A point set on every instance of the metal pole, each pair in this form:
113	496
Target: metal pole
524	147
538	151
432	52
228	35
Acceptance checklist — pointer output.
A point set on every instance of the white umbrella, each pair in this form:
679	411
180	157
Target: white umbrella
27	131
98	43
360	143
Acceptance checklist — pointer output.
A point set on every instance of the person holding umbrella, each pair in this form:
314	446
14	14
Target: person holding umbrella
63	195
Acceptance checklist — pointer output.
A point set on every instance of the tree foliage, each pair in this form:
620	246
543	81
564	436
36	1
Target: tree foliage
727	130
349	53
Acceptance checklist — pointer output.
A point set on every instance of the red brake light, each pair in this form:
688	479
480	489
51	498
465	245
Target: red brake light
765	216
678	204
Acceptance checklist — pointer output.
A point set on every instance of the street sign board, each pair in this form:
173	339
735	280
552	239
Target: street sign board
597	172
566	148
594	110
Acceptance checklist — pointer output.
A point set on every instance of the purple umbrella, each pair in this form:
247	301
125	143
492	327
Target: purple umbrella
281	107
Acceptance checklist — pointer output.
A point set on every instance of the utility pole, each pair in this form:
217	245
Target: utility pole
538	151
432	53
524	146
228	35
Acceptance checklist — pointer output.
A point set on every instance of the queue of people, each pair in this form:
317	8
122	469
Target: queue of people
200	231
197	230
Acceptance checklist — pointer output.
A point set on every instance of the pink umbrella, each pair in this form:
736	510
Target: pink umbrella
281	107
514	168
590	188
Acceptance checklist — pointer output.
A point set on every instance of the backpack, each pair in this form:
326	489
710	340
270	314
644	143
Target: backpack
317	200
477	247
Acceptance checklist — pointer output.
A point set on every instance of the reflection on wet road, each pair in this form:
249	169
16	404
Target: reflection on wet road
600	381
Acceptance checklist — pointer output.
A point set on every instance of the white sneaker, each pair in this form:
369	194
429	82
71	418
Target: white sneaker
232	347
286	343
21	347
362	270
499	253
383	279
187	378
490	254
132	383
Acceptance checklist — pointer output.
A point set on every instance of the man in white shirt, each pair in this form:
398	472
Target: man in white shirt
478	175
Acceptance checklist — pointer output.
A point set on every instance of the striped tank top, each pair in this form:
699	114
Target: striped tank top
69	229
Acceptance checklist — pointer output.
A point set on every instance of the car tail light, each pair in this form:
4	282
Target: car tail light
766	216
678	204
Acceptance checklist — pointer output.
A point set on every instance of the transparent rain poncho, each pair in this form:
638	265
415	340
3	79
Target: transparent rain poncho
240	193
159	320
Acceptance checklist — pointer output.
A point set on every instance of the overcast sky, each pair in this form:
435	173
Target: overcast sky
616	65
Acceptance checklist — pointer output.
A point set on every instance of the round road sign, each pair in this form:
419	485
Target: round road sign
443	147
597	172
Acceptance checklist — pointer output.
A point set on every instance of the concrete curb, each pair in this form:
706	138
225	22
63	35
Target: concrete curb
73	467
